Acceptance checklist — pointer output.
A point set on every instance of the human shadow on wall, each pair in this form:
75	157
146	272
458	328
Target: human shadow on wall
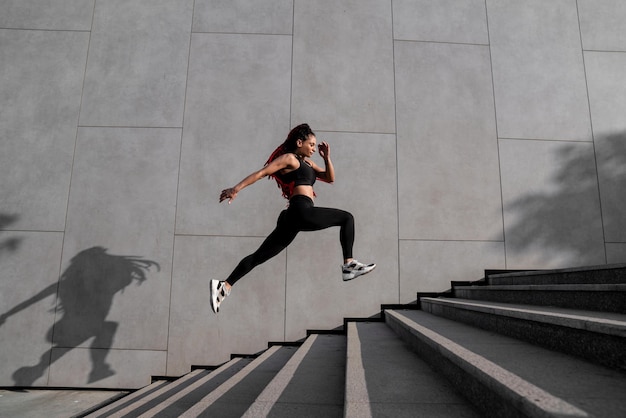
10	244
554	222
85	295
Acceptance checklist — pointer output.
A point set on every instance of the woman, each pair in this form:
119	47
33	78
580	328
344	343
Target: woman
294	171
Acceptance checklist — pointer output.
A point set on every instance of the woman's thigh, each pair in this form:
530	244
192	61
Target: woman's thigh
279	238
316	218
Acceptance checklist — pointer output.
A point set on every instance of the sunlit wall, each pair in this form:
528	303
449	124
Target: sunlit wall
466	135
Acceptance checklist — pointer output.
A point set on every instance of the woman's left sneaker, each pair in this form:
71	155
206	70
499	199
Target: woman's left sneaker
355	269
218	293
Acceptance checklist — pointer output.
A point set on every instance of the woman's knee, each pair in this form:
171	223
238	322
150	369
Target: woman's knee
349	218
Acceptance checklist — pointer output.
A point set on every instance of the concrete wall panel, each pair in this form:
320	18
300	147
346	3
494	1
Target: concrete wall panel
606	73
130	369
137	66
120	223
29	263
551	206
44	14
243	16
463	21
342	65
42	74
538	70
602	24
237	114
616	253
447	147
430	266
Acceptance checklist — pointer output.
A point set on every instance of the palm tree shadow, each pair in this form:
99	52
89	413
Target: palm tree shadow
85	292
611	152
561	224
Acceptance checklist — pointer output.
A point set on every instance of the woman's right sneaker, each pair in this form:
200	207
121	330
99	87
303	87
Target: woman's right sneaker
218	293
354	269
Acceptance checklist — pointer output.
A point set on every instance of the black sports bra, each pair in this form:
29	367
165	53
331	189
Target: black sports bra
301	176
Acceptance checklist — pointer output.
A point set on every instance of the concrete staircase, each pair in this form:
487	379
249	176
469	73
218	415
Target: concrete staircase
524	344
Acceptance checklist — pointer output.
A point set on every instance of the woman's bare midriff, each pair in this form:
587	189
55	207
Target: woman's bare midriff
304	190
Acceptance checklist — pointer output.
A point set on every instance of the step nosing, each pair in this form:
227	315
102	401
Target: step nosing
588	323
492	375
600	287
579	270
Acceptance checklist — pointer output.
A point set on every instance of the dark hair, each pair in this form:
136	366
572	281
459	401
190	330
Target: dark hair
302	132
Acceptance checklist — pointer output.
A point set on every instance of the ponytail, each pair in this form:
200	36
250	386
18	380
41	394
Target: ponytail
286	188
301	132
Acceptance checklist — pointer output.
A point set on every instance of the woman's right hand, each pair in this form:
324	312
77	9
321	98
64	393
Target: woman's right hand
229	194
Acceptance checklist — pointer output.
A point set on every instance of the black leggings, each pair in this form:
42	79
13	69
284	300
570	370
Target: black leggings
301	215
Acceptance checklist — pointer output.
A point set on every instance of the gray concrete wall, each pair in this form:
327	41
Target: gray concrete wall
466	134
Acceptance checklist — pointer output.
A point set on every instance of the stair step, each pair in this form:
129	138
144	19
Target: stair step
356	401
592	297
160	396
517	344
171	405
156	396
310	384
398	382
234	396
126	401
508	377
608	274
598	337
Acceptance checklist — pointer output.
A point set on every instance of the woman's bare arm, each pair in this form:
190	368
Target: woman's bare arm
284	161
328	173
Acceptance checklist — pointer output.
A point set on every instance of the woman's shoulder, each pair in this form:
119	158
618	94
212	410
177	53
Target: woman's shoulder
287	158
287	162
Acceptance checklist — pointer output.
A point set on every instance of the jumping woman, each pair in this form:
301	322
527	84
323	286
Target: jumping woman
294	171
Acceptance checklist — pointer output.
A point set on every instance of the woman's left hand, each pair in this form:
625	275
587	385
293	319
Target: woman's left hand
324	150
229	194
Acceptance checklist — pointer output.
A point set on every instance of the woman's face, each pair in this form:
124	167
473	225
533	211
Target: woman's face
307	148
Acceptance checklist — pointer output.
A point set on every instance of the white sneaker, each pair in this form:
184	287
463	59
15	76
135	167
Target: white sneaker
355	269
218	293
